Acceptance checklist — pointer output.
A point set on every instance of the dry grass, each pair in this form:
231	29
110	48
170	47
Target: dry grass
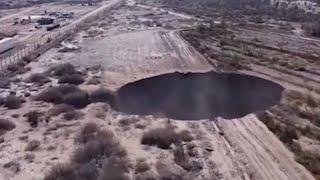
164	137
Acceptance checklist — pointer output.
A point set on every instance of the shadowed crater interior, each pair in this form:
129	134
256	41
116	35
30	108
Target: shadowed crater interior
195	96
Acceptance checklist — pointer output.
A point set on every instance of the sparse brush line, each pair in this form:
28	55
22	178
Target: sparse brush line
258	45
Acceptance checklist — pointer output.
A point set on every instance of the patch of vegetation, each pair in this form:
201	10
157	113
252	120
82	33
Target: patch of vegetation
98	156
141	166
67	94
102	95
164	137
63	69
71	79
38	78
33	145
72	115
33	118
62	172
93	81
311	162
312	28
50	95
12	102
78	99
60	108
6	125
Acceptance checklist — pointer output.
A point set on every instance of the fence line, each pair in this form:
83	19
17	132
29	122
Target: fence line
49	40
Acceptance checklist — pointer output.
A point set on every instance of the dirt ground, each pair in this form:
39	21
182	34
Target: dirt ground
134	42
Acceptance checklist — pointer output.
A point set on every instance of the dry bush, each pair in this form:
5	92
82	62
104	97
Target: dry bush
87	133
33	118
38	78
72	115
182	159
27	59
141	166
61	172
268	120
93	81
63	69
50	95
60	108
98	156
12	102
66	89
67	94
33	145
163	137
102	95
13	67
71	79
6	125
77	99
98	147
166	171
287	135
186	136
115	169
18	68
5	82
310	161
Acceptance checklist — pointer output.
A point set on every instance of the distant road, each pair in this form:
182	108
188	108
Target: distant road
107	5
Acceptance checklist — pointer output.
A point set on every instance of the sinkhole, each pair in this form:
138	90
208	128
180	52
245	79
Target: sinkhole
195	96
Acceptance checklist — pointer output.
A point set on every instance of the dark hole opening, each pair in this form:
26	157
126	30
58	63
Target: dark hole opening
196	96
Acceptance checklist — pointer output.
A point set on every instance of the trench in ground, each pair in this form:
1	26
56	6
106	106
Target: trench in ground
195	96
